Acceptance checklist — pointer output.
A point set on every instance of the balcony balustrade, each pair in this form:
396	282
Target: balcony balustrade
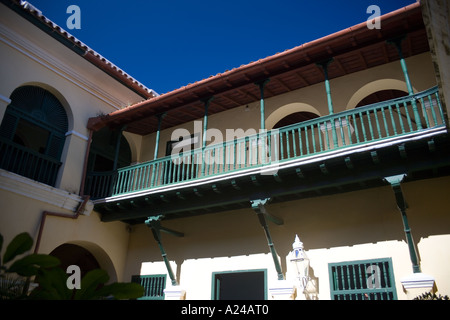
28	163
401	118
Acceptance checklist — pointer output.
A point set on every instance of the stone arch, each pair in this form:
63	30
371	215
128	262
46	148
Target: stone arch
59	96
34	125
87	256
374	86
103	149
286	110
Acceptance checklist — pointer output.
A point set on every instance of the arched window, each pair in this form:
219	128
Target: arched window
32	134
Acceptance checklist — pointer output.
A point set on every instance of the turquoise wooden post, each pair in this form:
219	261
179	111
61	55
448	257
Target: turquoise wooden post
154	223
262	134
160	117
395	184
324	65
207	101
259	207
116	155
261	85
398	44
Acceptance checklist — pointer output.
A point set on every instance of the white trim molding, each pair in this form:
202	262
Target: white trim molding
77	134
22	45
417	280
4	99
39	191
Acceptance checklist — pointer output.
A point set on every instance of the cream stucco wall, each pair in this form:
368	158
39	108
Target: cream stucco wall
84	90
352	226
30	57
342	227
346	92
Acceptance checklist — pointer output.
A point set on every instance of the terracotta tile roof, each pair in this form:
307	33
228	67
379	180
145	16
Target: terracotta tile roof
353	49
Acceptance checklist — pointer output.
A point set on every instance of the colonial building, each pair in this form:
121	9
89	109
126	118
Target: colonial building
321	172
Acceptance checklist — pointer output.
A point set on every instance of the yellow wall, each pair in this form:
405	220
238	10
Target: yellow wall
352	226
342	227
28	56
346	92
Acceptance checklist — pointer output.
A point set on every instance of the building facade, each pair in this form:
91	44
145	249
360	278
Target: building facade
318	173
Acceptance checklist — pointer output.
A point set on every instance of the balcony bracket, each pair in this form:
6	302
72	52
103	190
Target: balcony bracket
235	185
395	181
259	207
154	223
402	150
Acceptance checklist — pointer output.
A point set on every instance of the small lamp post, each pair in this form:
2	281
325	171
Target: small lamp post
301	262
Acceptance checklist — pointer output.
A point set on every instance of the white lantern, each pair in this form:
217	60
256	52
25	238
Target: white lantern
301	262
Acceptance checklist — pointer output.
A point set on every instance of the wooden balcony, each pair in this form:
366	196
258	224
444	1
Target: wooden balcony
28	163
269	162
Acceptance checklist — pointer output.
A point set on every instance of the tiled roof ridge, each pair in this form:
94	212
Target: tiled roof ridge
89	53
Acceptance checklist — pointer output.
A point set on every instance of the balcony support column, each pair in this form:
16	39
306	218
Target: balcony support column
397	42
85	164
154	223
206	101
116	156
324	65
395	181
259	207
261	85
160	117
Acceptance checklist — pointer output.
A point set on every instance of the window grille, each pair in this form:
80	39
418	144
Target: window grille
362	280
32	134
153	286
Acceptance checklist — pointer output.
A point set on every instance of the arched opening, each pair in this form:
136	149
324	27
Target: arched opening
382	95
295	117
298	141
72	254
103	151
291	113
376	91
104	160
32	134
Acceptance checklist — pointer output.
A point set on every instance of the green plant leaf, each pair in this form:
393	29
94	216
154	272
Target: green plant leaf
90	283
52	285
29	265
20	244
121	290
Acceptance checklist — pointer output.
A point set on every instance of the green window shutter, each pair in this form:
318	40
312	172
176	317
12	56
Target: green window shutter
362	280
55	145
8	126
154	286
32	134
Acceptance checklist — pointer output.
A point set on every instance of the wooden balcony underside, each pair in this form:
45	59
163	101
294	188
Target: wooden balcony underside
342	152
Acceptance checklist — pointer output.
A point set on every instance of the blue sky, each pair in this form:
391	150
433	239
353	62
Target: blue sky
168	44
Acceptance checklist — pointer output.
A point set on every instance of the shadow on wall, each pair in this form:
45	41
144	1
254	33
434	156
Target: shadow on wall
347	219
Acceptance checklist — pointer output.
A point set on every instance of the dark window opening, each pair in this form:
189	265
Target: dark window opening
247	285
32	134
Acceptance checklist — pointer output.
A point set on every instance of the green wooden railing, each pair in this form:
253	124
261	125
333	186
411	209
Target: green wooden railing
369	124
362	280
27	162
153	286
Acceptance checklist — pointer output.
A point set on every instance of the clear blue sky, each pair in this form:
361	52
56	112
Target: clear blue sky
168	44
